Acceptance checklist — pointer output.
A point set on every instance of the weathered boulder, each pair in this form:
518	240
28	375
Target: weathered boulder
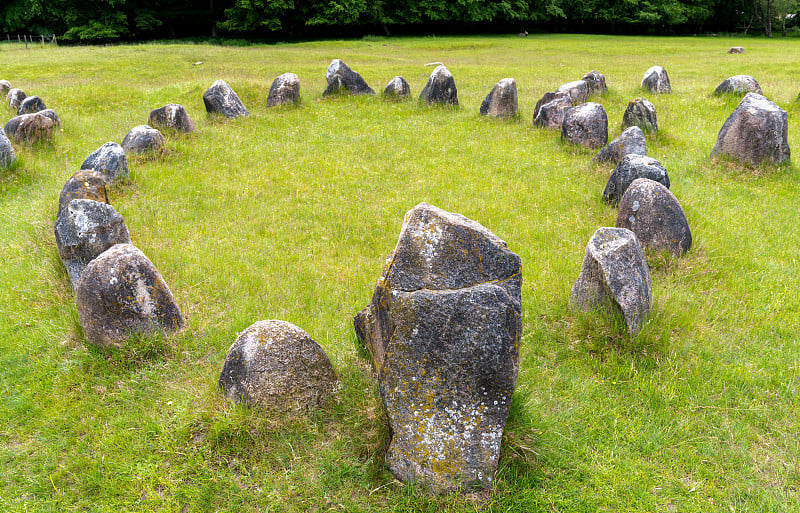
642	113
7	155
629	169
440	88
615	276
85	184
654	214
285	90
736	49
738	84
110	160
586	125
656	80
631	140
596	82
501	102
120	294
30	105
172	117
550	110
5	87
50	113
14	98
756	132
277	366
85	229
578	91
341	78
221	99
443	329
29	128
397	89
142	139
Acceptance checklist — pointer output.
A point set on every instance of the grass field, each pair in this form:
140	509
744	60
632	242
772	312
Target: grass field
290	213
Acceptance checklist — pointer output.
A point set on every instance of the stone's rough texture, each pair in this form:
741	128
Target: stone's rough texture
50	113
29	128
110	160
738	84
631	140
341	78
501	102
173	117
142	139
5	86
7	155
596	82
443	329
615	276
14	98
736	49
277	366
629	169
586	125
654	214
85	229
85	184
397	88
121	293
221	99
578	91
656	80
550	110
285	90
640	112
30	105
440	88
756	132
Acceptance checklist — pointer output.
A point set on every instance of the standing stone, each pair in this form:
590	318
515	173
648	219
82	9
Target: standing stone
551	109
756	132
85	184
586	125
221	99
277	366
15	97
341	78
7	155
443	329
578	91
173	117
738	84
615	276
736	49
440	88
640	112
110	160
629	169
120	294
631	140
596	82
5	87
656	80
285	90
29	128
30	105
501	102
142	139
654	214
397	89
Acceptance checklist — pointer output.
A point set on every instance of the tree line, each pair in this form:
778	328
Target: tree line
118	20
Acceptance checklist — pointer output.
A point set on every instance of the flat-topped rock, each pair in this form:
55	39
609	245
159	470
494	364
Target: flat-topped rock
551	109
586	125
755	133
440	88
656	81
642	113
501	102
221	99
285	90
172	117
629	169
110	160
142	139
397	89
343	79
630	141
738	84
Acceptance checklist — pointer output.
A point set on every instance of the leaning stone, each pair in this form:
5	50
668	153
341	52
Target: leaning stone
285	90
15	97
501	102
640	112
5	86
631	140
85	229
738	84
615	276
341	78
656	80
85	184
756	132
586	125
221	99
440	88
172	117
110	160
550	110
654	214
736	49
578	91
120	294
596	82
629	169
275	365
142	139
29	128
397	88
50	113
30	105
7	155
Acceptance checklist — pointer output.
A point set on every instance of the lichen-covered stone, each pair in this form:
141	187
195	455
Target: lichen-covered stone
642	113
5	87
738	84
755	133
397	89
277	366
120	294
440	88
220	98
85	184
7	155
577	90
14	98
143	139
630	141
551	109
285	90
586	125
29	128
629	169
172	117
30	105
110	160
656	81
341	78
501	102
50	113
615	276
596	82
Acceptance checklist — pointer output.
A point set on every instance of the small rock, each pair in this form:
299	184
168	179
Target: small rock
5	87
640	112
15	97
221	99
30	105
629	169
7	155
596	82
501	102
172	117
397	89
656	81
578	91
285	90
738	84
29	128
341	78
550	110
142	139
736	49
85	184
630	141
110	160
756	132
440	88
586	125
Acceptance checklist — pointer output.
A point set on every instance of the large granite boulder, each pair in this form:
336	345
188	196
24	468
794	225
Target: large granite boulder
642	113
221	99
172	117
443	329
275	365
14	98
656	80
142	139
285	90
85	184
551	109
29	128
615	276
30	105
110	160
121	294
397	89
440	88
85	229
756	132
586	125
501	102
7	155
578	91
654	214
596	82
631	140
629	169
738	84
5	87
343	79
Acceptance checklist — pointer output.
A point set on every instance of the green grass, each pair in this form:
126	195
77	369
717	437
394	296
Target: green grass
290	213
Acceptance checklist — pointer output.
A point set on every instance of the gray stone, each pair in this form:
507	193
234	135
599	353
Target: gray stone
578	91
640	112
397	89
110	160
143	139
738	84
736	49
586	125
85	184
550	110
14	98
501	102
29	128
654	214
596	82
440	88
629	169
7	155
656	81
221	99
30	105
120	294
5	87
631	140
756	132
277	366
285	90
615	276
343	79
172	117
50	113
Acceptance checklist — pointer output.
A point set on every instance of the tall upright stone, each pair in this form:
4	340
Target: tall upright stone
642	113
285	90
440	88
656	81
586	125
220	98
501	102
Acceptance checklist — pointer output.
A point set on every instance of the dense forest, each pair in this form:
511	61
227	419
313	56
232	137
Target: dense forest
111	20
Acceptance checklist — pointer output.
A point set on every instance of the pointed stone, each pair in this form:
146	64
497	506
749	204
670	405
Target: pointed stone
220	98
285	90
440	88
501	102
